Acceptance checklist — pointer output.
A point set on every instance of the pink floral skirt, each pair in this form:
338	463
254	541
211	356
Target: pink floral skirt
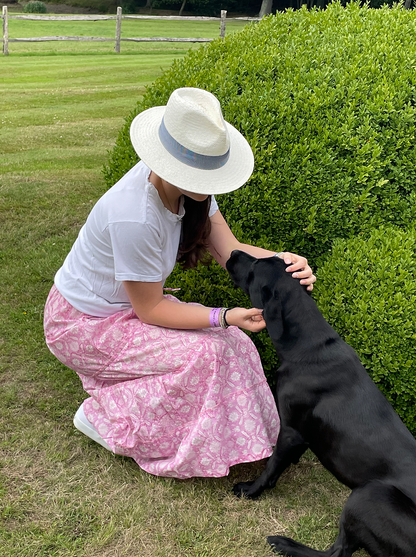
180	403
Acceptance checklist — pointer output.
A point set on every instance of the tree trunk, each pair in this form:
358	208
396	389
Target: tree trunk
266	8
182	7
408	4
149	4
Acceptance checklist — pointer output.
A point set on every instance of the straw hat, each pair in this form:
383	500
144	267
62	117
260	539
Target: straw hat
190	145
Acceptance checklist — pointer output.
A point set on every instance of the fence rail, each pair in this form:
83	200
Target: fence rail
118	18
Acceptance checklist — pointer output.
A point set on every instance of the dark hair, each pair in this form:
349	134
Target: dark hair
196	228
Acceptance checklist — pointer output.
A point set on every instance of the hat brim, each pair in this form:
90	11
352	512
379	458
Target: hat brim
144	135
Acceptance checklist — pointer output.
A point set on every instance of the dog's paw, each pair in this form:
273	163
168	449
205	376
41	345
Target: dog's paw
274	541
284	546
242	489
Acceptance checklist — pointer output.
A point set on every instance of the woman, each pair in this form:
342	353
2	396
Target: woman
170	384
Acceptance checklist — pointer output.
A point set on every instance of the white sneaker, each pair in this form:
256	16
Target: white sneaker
81	423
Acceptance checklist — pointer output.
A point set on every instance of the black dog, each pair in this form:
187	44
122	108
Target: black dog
327	402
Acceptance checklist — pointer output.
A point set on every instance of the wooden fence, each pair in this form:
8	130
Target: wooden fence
118	18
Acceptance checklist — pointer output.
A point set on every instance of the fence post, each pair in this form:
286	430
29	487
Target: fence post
118	30
5	32
222	27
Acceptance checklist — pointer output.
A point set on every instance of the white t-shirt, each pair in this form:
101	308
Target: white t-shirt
129	235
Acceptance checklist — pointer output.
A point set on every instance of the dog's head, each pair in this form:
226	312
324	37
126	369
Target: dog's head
292	317
267	284
259	278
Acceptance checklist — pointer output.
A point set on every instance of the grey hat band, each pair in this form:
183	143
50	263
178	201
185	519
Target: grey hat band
188	157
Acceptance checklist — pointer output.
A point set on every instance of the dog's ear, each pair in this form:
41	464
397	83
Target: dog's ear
266	295
272	312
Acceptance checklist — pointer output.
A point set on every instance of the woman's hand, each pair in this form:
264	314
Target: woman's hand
249	319
300	268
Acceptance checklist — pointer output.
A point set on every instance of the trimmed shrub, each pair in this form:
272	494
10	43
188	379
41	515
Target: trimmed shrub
367	291
35	8
327	100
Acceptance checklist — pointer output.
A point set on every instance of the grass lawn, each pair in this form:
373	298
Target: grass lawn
61	494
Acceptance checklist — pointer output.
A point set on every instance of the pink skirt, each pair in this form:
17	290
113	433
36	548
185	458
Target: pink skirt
180	403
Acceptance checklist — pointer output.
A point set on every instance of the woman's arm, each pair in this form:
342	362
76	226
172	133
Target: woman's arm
153	308
222	242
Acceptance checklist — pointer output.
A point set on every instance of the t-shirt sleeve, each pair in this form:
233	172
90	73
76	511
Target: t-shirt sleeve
214	206
137	251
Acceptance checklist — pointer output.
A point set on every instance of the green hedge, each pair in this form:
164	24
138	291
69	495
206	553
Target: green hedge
327	101
367	291
35	7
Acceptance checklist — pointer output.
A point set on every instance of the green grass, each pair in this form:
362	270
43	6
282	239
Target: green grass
61	494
